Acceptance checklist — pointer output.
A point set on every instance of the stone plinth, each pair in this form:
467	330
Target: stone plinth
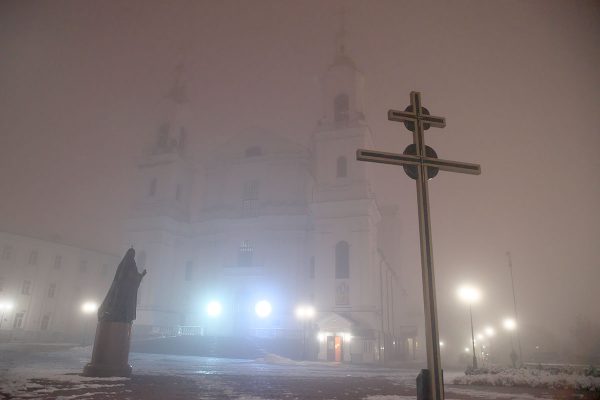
110	356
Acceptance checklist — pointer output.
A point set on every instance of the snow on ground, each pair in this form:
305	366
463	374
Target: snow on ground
32	372
531	377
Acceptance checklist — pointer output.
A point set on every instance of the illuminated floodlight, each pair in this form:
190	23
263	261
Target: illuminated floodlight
321	336
263	309
305	312
479	336
467	350
441	344
6	305
490	331
214	308
347	336
509	324
89	307
469	294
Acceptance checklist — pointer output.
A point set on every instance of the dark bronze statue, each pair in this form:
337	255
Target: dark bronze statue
120	301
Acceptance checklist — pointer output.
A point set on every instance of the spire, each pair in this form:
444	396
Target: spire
341	57
340	37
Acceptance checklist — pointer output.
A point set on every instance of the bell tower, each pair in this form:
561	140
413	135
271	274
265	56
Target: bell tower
160	217
343	209
165	171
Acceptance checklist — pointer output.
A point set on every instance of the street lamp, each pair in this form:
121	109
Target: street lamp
470	295
263	309
213	309
304	313
490	332
4	307
511	325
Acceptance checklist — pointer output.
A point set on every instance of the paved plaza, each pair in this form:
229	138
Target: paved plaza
52	372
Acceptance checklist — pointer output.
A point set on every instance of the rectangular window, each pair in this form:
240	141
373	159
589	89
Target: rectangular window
26	289
18	323
250	199
7	252
83	266
189	271
45	322
245	253
33	257
51	290
57	262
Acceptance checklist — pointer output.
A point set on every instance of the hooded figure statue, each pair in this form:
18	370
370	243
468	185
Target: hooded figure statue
120	301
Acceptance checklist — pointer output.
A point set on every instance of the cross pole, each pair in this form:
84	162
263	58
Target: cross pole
421	163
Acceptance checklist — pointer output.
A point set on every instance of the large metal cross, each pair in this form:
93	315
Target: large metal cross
420	162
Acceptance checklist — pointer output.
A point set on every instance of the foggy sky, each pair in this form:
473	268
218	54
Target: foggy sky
81	85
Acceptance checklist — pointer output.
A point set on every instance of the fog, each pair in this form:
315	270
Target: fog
83	89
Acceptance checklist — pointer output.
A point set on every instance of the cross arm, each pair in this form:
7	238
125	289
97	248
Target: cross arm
405	159
407	116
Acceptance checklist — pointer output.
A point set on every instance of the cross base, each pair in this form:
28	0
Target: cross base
424	385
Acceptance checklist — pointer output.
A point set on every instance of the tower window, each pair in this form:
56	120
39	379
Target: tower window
253	151
342	167
341	108
245	253
152	188
342	260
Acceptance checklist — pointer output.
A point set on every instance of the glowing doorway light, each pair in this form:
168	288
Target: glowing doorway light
263	309
213	309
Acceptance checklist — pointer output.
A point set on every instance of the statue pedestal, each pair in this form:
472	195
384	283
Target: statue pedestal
110	356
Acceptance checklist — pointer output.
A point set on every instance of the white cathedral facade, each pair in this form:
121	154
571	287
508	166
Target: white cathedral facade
265	219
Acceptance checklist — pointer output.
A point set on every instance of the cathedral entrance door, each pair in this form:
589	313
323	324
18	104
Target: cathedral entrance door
334	348
241	322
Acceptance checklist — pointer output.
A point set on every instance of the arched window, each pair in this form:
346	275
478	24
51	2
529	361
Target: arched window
342	260
342	167
152	188
253	151
341	108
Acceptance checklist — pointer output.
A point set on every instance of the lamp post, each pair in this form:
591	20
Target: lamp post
87	308
490	332
510	325
470	295
304	313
